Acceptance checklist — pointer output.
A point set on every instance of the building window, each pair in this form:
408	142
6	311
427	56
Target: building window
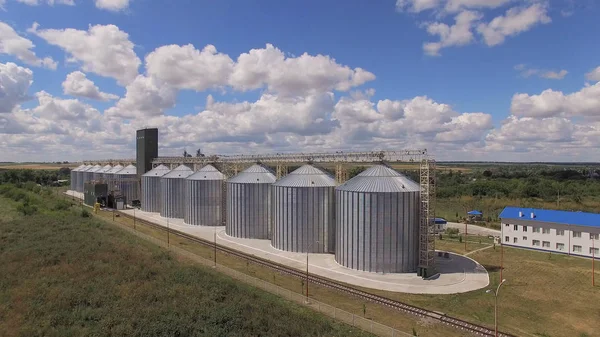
560	246
514	240
546	244
506	225
524	238
516	227
593	236
506	239
576	249
536	229
560	232
546	231
524	228
536	242
576	234
594	251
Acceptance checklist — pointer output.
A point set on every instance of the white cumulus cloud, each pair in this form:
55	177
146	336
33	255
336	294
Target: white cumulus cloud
515	21
185	67
77	84
14	85
102	49
593	75
15	45
112	5
459	34
551	103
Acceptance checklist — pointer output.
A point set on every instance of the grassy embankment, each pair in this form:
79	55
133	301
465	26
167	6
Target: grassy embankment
64	275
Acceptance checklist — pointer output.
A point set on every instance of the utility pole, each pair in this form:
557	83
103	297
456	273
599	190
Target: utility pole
466	237
496	306
501	258
168	242
215	246
593	258
134	218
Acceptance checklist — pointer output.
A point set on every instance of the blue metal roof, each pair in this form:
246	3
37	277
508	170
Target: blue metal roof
440	221
474	213
554	216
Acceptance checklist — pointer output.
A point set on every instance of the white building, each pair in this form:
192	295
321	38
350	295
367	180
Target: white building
573	233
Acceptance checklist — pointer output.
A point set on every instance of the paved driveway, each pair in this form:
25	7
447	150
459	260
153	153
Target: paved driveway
472	229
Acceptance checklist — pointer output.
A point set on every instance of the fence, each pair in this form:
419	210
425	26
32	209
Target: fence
329	310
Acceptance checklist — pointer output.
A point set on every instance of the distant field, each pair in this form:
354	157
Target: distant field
36	166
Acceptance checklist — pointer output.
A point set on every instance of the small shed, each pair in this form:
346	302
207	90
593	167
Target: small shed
440	225
474	216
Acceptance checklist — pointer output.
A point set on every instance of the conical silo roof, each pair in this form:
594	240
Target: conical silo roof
306	176
95	168
158	171
180	172
129	170
78	168
115	169
105	169
208	172
255	174
379	178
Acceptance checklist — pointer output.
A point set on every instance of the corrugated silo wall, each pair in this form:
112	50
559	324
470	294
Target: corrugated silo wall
378	232
84	178
97	176
303	219
79	186
203	202
151	192
173	201
73	180
128	185
248	210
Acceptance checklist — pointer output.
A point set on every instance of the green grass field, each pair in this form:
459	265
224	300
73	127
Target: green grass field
64	275
545	295
531	301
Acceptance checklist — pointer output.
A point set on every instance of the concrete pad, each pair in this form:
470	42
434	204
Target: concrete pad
75	194
474	229
458	273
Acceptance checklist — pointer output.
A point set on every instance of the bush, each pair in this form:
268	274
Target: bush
61	205
26	208
452	231
85	213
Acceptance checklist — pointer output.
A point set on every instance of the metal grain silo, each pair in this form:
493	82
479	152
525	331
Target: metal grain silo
172	190
81	177
304	211
204	190
377	222
88	175
248	203
99	175
110	178
151	194
74	176
127	182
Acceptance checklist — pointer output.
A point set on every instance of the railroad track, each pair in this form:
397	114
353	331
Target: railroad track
325	282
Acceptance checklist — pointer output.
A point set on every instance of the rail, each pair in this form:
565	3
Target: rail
325	282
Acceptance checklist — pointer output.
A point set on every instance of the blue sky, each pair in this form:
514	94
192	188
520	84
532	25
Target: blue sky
385	38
